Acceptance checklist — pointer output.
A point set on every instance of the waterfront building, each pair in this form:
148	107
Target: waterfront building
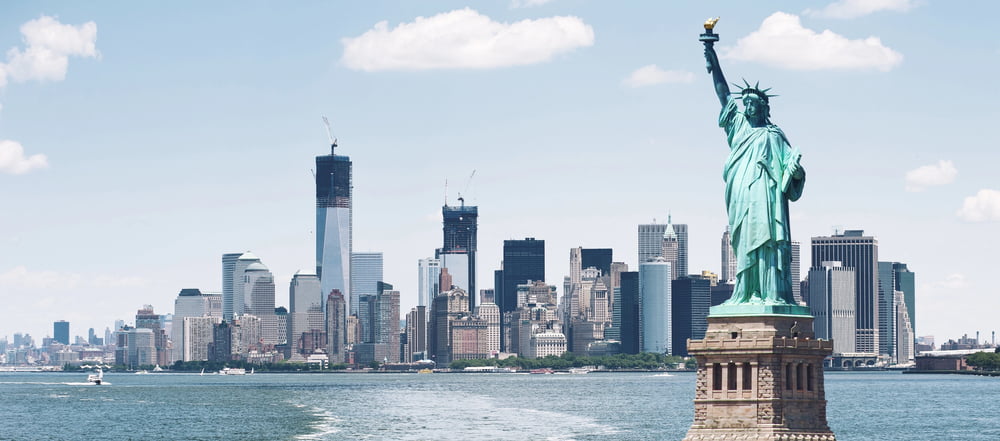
691	297
415	347
656	304
447	307
728	274
60	332
258	301
334	224
428	280
544	344
192	302
651	243
489	313
246	336
197	334
366	272
832	304
892	277
855	250
796	272
135	347
904	333
460	227
145	318
387	320
523	260
337	323
305	300
228	271
630	324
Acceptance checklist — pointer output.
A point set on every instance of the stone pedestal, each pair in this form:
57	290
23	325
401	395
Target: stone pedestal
760	378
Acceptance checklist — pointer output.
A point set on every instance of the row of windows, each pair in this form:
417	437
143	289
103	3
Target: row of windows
798	376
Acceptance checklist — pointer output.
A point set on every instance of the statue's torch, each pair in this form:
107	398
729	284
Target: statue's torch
709	38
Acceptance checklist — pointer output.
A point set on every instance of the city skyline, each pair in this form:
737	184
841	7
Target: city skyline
165	149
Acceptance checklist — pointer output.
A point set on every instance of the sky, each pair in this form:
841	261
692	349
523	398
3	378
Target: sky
140	142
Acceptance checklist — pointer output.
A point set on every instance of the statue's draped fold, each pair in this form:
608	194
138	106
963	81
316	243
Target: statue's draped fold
759	184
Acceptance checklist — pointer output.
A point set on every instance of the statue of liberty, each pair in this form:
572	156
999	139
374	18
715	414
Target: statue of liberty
762	175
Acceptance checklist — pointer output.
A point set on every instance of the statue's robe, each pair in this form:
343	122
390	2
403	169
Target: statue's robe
759	185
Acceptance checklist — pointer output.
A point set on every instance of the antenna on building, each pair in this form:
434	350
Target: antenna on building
837	229
329	134
445	192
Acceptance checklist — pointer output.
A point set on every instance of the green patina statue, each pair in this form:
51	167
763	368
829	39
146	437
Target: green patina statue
762	175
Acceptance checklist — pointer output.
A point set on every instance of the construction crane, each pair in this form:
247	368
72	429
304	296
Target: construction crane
329	134
466	190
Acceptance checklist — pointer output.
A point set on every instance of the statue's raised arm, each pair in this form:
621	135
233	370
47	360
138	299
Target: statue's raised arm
712	61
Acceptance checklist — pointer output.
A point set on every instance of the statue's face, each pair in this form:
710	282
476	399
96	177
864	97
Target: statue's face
754	107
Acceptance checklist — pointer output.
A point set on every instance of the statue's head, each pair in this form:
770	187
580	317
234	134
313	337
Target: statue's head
756	102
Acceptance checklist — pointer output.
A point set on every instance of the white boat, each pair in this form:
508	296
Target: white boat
97	378
580	370
234	371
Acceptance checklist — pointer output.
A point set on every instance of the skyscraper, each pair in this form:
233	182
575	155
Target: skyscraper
60	332
631	319
655	305
305	300
237	298
228	268
523	260
336	315
428	278
728	275
691	297
599	258
192	302
258	298
855	250
334	224
651	243
831	302
460	231
894	277
366	272
796	271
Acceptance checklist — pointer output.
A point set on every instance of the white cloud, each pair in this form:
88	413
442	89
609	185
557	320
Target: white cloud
527	3
49	44
650	75
13	161
464	39
942	173
782	42
858	8
983	207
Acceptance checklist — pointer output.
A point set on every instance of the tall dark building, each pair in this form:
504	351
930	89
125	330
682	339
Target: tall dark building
459	251
334	224
599	258
523	260
60	332
630	316
691	297
855	250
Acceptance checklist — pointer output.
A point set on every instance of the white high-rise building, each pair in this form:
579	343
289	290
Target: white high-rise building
428	279
831	302
191	302
305	301
258	300
651	243
655	305
728	274
238	299
490	313
197	335
904	331
366	272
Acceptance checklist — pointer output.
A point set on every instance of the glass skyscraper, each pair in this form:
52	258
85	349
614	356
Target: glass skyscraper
855	250
655	305
366	272
651	244
333	224
460	231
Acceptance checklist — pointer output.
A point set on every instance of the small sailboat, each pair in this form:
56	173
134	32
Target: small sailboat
202	371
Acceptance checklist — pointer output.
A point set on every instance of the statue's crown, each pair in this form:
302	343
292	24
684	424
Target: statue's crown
755	90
